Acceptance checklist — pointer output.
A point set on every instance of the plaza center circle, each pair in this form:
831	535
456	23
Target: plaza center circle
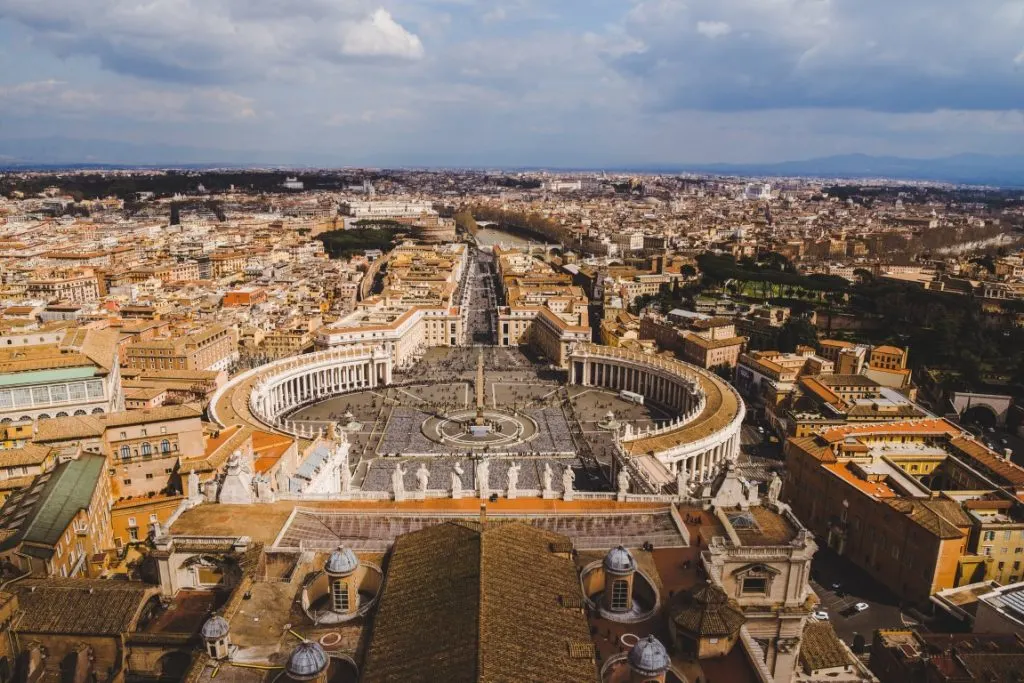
499	429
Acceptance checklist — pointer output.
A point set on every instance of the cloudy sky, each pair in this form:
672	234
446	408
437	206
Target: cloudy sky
520	82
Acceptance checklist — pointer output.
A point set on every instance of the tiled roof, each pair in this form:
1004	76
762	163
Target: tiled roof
461	604
79	606
706	612
821	648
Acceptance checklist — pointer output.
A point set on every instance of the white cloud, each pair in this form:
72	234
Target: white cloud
911	55
380	36
54	98
213	40
713	29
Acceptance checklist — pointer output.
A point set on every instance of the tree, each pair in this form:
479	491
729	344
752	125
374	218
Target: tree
797	332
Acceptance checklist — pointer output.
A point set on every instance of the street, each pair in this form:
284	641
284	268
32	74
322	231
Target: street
855	586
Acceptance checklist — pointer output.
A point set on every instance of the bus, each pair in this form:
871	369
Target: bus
632	397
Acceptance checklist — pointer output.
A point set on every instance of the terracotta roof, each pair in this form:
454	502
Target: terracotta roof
80	606
464	604
925	517
821	648
29	454
706	612
1003	469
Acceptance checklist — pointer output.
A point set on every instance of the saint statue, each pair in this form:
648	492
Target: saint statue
683	480
568	477
774	488
483	476
398	481
513	479
423	477
623	481
547	477
457	479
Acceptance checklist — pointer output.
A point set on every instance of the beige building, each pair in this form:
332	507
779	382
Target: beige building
211	348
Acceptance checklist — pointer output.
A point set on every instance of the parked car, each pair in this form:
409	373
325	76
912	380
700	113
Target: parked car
861	606
820	615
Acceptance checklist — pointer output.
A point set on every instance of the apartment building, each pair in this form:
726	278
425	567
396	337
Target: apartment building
78	376
213	347
59	522
895	499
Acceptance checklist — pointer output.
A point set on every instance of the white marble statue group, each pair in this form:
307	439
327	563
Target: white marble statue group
483	480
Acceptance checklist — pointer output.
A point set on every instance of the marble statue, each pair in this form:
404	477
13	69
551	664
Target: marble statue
547	477
457	472
623	481
513	479
423	477
683	480
346	478
568	477
774	488
483	478
398	482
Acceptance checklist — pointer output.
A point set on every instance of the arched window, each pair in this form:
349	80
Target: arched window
79	413
44	416
146	448
165	446
97	411
62	414
126	452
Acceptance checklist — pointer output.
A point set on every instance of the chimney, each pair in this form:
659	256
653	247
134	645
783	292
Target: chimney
483	514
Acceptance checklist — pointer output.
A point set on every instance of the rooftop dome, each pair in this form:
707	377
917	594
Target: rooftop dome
619	561
706	611
215	627
307	661
341	561
649	657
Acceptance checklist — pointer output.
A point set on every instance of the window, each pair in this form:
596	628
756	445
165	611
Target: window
165	446
620	595
989	536
163	430
124	435
987	551
149	475
755	586
126	452
127	482
133	533
340	596
146	448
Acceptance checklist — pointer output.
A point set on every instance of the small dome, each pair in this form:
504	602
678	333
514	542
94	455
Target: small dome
307	661
341	561
215	627
619	561
649	657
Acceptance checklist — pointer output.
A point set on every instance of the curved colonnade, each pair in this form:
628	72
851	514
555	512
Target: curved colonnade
710	412
705	433
264	396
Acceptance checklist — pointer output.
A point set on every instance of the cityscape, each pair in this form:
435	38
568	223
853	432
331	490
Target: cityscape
336	425
509	341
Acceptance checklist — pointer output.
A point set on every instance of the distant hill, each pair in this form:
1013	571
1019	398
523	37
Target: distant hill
962	168
979	169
